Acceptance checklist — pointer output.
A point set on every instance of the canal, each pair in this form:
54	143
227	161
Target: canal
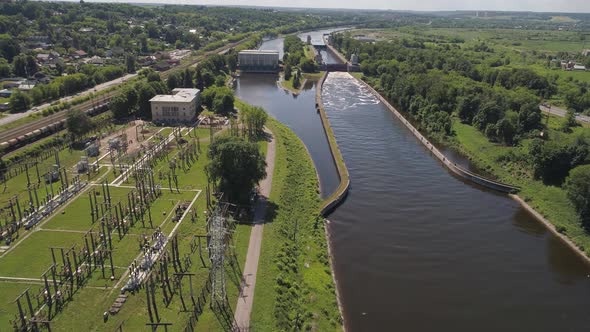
415	248
298	113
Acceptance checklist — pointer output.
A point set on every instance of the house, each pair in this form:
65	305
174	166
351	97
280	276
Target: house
162	55
579	67
180	107
13	83
38	41
5	93
95	60
41	77
586	52
173	62
4	106
118	51
86	30
27	85
147	61
567	65
79	54
42	57
162	66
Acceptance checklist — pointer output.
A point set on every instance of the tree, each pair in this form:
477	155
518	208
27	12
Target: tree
224	103
9	47
296	80
187	79
4	70
153	77
505	131
2	168
308	66
19	102
577	186
569	121
143	42
130	63
467	107
173	81
78	123
145	92
237	165
218	99
253	120
219	81
232	61
552	160
123	104
25	65
287	70
529	118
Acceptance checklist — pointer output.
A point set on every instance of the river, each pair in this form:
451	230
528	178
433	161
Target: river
415	248
298	113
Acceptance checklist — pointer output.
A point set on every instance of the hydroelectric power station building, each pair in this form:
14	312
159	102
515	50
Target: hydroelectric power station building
258	61
177	108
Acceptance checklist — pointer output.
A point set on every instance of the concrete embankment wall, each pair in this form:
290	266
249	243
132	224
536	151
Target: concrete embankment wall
337	54
453	167
338	196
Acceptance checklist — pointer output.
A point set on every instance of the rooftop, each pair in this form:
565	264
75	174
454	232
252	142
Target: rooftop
179	95
259	52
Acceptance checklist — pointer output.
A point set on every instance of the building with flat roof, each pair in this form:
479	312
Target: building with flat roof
178	108
258	61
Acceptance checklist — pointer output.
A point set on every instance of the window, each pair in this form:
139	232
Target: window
170	111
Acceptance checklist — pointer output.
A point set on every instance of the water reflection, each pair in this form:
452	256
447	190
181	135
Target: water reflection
299	113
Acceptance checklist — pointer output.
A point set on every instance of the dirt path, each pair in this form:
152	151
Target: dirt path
246	298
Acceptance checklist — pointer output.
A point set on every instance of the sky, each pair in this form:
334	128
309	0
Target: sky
573	6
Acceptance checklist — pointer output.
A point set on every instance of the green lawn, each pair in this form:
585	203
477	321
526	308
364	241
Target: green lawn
288	84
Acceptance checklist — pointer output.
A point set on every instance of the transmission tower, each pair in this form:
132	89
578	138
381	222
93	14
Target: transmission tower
218	235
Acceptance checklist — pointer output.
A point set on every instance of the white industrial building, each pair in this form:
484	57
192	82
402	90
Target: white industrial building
258	60
179	107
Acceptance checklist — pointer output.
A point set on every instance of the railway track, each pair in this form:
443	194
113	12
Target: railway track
16	132
30	132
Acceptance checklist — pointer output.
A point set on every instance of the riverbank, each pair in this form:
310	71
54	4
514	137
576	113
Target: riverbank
550	203
294	277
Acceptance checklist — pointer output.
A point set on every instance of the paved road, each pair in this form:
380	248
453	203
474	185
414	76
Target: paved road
13	117
561	112
246	298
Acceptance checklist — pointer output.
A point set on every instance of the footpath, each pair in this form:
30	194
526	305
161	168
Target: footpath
246	297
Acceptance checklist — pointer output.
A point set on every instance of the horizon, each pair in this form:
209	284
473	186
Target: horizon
544	6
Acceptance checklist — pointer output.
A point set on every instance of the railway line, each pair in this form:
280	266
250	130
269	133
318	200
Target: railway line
27	133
